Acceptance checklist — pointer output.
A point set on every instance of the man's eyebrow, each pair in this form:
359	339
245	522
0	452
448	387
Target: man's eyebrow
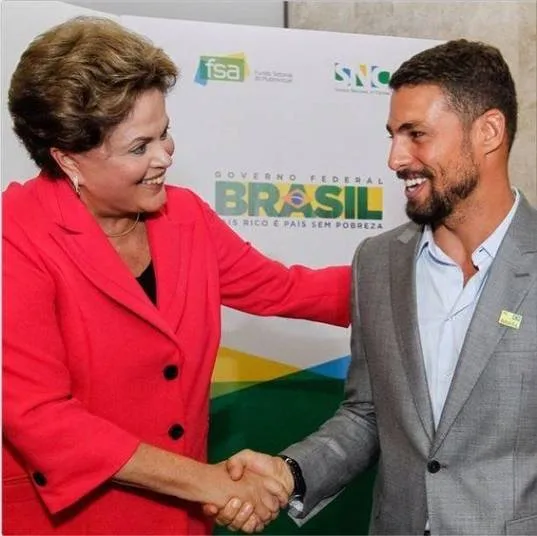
404	127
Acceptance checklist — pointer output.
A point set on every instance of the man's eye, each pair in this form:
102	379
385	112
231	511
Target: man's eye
416	134
165	134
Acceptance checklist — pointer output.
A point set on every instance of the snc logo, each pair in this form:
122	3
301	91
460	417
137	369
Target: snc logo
230	68
363	78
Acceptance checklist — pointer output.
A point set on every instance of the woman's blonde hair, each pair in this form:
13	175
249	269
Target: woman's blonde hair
79	80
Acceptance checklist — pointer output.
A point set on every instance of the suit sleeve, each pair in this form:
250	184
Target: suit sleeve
347	443
253	283
68	450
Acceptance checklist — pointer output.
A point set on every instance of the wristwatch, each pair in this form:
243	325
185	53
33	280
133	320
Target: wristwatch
299	489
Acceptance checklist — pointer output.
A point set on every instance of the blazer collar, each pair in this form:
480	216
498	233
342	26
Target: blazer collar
79	235
513	272
511	275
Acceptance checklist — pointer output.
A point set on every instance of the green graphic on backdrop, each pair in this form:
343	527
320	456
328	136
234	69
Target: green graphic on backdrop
270	415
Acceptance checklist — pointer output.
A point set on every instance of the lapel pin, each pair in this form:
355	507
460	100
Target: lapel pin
511	320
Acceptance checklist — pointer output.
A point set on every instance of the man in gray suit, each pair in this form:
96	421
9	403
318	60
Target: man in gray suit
441	391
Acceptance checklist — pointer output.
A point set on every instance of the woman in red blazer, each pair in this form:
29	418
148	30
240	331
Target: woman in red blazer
113	284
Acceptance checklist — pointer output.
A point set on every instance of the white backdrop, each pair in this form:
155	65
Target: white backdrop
274	107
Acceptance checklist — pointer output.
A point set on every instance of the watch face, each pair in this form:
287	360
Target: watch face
294	499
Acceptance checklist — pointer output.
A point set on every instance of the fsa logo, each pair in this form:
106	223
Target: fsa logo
230	68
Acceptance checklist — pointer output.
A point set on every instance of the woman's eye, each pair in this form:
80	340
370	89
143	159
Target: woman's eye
139	150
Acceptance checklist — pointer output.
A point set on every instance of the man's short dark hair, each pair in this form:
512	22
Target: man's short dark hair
473	76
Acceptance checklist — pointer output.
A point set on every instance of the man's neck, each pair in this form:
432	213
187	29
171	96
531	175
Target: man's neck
473	221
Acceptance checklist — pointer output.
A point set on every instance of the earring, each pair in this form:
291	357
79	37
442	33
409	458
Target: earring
76	186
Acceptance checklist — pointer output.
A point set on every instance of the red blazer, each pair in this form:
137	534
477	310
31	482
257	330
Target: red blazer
85	353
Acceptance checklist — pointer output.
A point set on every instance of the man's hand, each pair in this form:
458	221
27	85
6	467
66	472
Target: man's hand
262	464
246	464
262	496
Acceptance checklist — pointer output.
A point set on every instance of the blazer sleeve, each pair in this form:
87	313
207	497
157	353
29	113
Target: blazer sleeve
70	450
253	283
347	443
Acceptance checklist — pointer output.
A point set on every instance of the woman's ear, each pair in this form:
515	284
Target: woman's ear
65	161
68	165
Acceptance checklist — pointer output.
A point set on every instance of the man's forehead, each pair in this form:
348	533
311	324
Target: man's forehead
413	104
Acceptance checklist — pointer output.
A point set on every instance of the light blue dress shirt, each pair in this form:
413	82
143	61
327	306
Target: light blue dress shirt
446	306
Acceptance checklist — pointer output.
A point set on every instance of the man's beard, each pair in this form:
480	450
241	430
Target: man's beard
440	205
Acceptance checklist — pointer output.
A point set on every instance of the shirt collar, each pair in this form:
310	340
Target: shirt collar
490	245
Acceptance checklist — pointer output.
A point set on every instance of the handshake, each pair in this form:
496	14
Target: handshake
251	488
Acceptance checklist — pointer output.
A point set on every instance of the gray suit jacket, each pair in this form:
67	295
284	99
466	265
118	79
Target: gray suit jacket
477	474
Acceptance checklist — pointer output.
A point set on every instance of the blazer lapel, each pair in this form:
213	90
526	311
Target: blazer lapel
403	292
81	238
512	274
171	246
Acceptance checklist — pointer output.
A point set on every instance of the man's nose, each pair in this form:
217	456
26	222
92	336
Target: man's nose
399	156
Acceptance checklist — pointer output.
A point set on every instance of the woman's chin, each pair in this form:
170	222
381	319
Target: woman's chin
154	202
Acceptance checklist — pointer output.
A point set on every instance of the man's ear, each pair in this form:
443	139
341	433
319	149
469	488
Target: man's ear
492	131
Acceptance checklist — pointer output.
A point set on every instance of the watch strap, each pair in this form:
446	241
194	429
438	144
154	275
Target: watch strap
299	489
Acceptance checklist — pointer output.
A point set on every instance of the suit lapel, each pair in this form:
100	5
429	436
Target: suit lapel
512	273
403	292
81	238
